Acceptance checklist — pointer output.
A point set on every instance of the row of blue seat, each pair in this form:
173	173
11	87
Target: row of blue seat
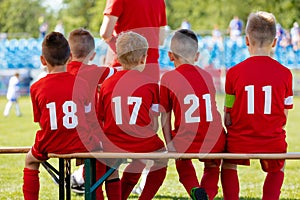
25	53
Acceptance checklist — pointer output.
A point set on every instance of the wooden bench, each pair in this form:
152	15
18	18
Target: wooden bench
91	184
63	174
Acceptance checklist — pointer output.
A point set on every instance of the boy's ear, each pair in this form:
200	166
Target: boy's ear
171	56
93	56
274	42
43	61
247	41
143	59
70	58
197	56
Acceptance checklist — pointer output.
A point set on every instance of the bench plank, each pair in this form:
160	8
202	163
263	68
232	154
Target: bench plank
290	155
14	150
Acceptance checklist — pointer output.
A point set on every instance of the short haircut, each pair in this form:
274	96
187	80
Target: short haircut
55	49
261	28
130	48
184	44
81	42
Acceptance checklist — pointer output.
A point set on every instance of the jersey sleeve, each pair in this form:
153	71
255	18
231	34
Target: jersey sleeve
288	101
36	110
164	96
107	72
114	8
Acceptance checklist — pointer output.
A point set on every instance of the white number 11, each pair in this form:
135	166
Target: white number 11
250	98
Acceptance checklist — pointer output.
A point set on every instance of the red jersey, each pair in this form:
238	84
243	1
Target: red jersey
128	102
59	101
144	17
258	90
189	92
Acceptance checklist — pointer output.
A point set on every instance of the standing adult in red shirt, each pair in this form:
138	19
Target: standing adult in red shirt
146	17
258	96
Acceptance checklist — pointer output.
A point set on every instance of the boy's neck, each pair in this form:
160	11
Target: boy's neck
178	62
263	51
82	60
56	69
139	68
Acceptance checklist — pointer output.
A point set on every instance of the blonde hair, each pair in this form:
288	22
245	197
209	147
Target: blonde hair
261	28
130	48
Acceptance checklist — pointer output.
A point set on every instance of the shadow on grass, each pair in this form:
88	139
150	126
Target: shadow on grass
184	198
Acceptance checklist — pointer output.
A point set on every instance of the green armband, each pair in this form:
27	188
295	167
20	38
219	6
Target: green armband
229	100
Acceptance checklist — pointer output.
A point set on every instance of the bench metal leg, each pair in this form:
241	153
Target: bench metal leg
61	181
90	177
68	179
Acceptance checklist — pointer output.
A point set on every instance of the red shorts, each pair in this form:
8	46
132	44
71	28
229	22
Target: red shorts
184	143
63	144
134	145
238	144
266	165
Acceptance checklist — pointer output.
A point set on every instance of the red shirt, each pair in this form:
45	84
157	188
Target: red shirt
262	89
189	92
59	101
128	101
144	17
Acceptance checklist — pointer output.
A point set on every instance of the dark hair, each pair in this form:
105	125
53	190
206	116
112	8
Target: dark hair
81	43
55	49
187	33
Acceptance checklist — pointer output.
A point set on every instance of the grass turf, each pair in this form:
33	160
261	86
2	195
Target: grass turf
20	131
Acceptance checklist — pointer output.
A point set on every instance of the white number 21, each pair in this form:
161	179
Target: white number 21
194	101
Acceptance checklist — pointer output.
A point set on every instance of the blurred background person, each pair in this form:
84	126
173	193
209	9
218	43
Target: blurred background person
12	95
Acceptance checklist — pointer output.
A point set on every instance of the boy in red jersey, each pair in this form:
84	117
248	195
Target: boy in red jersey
258	96
82	47
189	92
59	103
128	107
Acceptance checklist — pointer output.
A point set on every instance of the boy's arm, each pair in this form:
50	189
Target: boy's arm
155	123
166	127
286	112
227	119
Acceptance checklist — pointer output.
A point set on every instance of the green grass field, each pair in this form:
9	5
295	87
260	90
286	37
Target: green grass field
20	131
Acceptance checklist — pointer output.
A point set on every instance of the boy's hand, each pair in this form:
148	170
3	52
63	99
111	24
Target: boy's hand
171	147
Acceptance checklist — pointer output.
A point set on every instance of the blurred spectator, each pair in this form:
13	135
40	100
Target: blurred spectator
217	37
12	95
186	25
59	27
43	29
295	36
235	28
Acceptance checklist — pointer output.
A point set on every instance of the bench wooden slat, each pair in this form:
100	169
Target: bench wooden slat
14	150
291	155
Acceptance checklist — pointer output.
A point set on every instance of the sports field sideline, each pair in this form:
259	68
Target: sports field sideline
20	131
